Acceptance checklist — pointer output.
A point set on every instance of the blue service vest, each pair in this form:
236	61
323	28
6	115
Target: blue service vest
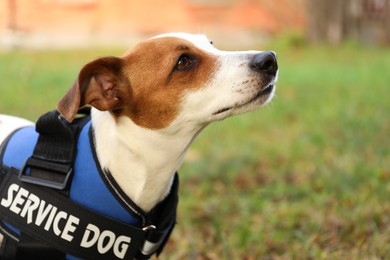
88	187
94	196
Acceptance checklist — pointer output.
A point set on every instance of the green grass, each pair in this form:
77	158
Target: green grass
307	177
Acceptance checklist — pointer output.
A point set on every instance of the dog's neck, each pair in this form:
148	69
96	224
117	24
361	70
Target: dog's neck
142	161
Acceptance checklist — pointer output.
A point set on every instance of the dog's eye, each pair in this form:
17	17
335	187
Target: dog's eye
211	42
184	62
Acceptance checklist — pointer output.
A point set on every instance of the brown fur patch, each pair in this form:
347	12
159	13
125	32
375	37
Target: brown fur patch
156	87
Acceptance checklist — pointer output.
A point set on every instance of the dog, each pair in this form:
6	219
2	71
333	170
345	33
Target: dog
149	105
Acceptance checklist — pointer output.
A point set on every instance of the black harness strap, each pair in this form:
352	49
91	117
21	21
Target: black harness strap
55	220
52	160
30	248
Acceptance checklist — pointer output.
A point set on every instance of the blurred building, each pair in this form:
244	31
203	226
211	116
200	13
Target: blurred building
69	23
83	22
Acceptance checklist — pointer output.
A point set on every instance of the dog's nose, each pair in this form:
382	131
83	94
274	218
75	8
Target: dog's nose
265	62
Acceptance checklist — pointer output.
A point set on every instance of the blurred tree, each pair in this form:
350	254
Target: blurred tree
337	20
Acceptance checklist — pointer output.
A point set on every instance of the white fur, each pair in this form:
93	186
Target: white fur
143	161
10	123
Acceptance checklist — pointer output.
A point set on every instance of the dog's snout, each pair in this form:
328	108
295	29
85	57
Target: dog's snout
265	62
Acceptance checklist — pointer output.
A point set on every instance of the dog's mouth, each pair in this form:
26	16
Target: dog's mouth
261	95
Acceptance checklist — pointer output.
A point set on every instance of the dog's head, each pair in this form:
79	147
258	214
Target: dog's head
174	79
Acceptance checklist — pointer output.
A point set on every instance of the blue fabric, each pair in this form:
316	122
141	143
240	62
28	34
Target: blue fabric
88	187
20	147
22	143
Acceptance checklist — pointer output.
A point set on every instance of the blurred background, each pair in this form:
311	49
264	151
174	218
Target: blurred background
70	23
307	177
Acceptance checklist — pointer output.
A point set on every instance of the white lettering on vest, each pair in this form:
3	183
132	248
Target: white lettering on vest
105	241
32	208
42	213
36	210
111	239
88	241
10	196
50	219
31	205
19	200
121	246
60	215
70	227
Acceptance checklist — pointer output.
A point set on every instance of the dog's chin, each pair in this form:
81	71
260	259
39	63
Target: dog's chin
261	99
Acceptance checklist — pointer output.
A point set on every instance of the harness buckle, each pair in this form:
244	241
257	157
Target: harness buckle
148	228
45	173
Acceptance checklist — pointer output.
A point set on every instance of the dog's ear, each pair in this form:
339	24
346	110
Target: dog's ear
99	84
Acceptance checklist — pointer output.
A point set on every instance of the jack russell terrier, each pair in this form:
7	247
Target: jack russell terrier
149	105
